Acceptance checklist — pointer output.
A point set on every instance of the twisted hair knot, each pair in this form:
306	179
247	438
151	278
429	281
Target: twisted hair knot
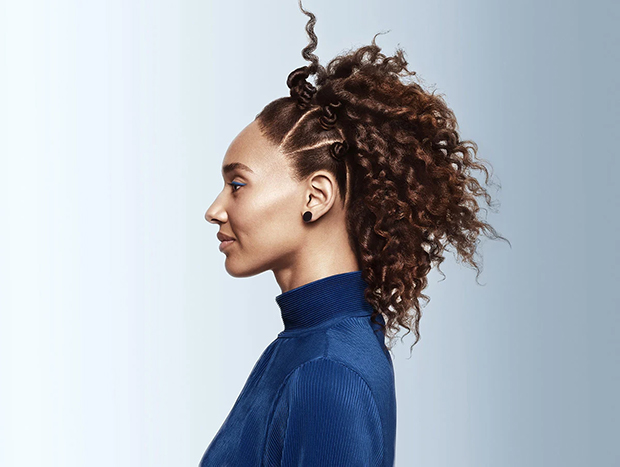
339	149
301	90
329	117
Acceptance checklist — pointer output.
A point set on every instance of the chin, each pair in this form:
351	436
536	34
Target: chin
236	270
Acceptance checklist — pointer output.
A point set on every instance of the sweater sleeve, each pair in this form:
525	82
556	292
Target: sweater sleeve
332	418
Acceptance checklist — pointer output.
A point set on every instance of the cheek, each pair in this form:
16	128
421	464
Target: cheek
268	221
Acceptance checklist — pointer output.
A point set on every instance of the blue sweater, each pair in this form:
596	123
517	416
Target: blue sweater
322	393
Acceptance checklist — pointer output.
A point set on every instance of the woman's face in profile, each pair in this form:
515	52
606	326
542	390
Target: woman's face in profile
260	206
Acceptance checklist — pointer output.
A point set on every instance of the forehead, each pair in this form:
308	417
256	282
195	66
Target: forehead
251	150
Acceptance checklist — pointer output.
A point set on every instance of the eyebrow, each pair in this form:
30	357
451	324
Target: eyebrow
235	166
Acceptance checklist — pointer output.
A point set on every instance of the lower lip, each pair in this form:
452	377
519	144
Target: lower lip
224	244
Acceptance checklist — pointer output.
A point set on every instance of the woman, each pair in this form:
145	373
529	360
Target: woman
349	192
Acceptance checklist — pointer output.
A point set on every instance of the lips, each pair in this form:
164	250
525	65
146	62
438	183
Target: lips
225	239
225	244
222	237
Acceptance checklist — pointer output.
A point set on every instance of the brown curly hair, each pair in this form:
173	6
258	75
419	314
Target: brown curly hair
405	172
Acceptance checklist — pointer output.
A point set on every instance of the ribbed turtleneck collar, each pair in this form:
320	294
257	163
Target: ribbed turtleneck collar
323	301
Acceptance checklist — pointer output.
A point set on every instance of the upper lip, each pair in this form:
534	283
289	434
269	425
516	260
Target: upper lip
222	237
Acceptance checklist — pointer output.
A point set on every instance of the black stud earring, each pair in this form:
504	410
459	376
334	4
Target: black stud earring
307	216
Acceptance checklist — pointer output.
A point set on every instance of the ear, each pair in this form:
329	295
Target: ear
321	193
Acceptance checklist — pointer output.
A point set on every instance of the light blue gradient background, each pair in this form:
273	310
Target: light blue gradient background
123	341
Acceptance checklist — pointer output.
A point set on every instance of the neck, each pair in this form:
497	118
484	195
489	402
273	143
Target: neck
314	266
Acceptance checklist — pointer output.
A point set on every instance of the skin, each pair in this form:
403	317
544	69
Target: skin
264	216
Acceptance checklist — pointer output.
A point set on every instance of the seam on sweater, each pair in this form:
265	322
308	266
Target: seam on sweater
285	382
272	412
326	351
374	401
276	400
372	394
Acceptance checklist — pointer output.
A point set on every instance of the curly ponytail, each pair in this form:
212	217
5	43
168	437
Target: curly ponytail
410	191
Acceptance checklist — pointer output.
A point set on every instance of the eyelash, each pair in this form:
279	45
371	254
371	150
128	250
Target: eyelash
233	184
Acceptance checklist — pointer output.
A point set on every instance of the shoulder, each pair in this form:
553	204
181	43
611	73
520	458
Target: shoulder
326	382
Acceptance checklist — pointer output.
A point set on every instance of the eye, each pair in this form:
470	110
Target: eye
236	185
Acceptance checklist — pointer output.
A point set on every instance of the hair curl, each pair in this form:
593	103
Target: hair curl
408	179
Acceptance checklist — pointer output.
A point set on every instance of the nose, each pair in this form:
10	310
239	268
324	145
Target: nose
216	214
